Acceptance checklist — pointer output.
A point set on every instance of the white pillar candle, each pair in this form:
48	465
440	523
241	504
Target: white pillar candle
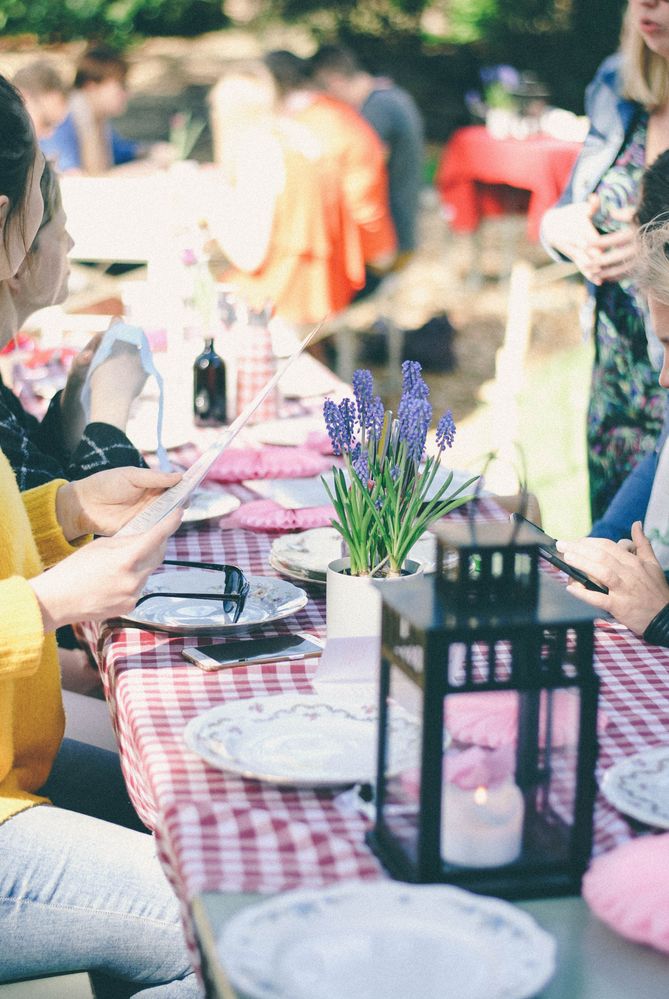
482	826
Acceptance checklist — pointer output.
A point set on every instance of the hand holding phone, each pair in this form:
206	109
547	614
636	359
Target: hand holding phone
244	651
548	550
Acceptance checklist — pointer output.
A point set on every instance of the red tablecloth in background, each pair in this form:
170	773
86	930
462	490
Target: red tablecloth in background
479	176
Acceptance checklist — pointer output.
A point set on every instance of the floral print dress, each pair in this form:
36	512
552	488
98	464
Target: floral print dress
627	405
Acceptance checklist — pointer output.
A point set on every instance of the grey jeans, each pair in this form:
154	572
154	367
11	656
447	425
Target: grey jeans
78	893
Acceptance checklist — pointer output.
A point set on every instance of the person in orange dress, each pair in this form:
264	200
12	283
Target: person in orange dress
354	154
279	219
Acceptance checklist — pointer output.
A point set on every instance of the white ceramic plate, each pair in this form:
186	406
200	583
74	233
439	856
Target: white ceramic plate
316	579
303	740
374	941
639	786
206	503
312	551
269	600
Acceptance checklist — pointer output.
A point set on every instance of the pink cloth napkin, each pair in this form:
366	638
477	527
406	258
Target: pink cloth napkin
238	464
628	888
266	515
491	719
320	442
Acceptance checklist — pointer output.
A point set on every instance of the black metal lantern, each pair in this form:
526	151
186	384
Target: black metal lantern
495	660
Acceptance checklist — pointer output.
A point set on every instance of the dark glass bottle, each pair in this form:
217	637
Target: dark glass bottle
209	403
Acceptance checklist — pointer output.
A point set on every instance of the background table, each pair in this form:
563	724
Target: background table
479	176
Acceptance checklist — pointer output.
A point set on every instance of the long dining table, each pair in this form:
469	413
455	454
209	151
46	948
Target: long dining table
224	840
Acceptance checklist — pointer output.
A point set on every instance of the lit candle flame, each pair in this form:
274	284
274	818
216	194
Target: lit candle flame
481	795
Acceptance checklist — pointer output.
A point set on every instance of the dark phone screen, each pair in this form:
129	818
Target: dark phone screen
249	649
548	550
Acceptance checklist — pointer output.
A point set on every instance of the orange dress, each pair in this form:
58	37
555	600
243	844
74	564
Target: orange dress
358	157
306	272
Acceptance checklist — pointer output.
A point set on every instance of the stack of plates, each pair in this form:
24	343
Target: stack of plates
306	556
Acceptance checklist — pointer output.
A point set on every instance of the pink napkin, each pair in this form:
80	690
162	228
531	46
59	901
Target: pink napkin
628	888
490	719
320	442
266	515
238	464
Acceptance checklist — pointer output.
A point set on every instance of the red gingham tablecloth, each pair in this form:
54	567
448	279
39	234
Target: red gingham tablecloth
219	831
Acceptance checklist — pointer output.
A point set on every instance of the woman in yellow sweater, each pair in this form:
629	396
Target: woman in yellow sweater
76	892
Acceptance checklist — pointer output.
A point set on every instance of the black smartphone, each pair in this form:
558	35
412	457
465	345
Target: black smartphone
243	651
548	550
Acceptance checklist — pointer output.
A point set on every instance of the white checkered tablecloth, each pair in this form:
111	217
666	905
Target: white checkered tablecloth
218	831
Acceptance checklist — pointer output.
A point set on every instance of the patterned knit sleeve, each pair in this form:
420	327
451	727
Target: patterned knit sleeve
101	446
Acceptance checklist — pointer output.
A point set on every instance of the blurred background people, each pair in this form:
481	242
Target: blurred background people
45	95
276	216
86	141
354	156
592	224
393	114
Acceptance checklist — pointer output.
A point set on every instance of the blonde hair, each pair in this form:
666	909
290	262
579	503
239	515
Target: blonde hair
645	74
651	269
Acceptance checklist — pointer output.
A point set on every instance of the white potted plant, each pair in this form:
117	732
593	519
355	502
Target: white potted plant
382	496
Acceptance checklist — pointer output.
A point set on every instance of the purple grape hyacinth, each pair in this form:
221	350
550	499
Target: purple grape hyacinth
340	424
445	434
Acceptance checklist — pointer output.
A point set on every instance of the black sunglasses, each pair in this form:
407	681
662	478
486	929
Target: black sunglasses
235	589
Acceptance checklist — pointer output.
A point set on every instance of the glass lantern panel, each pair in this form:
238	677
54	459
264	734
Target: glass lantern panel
403	753
509	781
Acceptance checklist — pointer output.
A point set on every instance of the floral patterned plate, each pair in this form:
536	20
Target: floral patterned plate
374	941
303	740
269	600
639	786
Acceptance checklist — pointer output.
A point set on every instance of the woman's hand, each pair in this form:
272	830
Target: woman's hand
72	413
637	587
569	229
103	579
104	502
599	256
115	384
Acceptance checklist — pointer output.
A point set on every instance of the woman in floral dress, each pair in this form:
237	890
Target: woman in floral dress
628	107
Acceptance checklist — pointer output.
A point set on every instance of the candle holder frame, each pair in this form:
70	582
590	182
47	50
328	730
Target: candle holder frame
549	637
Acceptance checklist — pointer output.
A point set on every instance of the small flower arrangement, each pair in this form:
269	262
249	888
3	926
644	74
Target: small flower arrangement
498	87
381	495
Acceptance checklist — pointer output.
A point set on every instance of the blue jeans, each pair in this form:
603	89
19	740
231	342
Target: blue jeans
629	503
78	893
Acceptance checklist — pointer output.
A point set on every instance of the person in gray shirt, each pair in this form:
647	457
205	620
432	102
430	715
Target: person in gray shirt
392	112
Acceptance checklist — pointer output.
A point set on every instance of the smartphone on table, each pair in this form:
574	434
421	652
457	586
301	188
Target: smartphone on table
243	651
548	550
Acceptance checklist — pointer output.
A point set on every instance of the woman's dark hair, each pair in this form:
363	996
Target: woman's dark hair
654	199
17	151
50	189
289	71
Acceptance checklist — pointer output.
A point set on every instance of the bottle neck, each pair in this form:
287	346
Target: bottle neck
209	344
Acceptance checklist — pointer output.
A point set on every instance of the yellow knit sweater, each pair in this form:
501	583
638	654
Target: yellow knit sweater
31	707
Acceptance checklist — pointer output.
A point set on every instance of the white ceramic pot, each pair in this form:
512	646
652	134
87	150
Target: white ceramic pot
353	603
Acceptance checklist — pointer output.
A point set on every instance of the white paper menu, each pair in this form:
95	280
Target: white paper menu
177	495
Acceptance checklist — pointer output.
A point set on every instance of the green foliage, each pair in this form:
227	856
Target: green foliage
113	20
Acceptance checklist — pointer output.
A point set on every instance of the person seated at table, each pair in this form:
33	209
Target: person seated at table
77	891
62	444
631	500
638	594
86	142
628	107
277	220
355	156
393	114
45	95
